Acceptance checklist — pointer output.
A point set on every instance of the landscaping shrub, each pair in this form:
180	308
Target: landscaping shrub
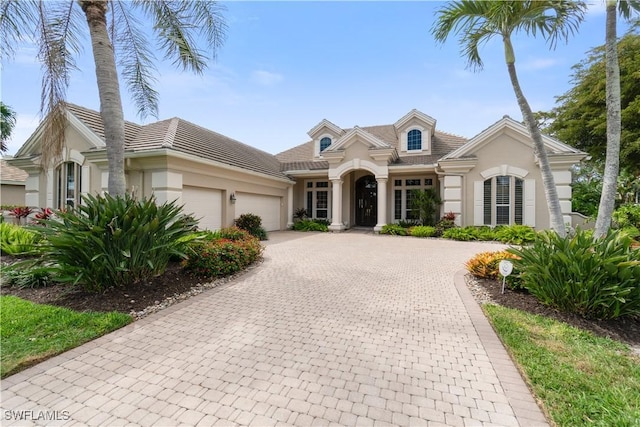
310	225
485	265
300	214
20	212
394	230
593	278
113	241
425	203
423	231
515	234
485	233
462	234
16	240
222	255
447	222
34	277
627	216
253	224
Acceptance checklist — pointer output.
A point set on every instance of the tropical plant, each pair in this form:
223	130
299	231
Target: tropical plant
580	115
479	21
423	231
16	240
310	225
612	160
515	234
463	234
595	278
300	214
112	241
627	216
34	277
253	224
7	123
178	25
425	203
394	230
20	212
223	253
485	265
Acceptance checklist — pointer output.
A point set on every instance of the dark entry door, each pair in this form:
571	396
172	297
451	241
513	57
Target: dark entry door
366	201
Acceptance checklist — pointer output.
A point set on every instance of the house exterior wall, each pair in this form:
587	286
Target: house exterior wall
504	149
12	194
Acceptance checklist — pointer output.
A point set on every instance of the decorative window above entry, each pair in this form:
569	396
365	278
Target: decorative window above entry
325	143
414	140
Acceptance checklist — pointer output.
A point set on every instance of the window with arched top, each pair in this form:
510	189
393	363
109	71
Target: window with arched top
68	182
414	140
325	143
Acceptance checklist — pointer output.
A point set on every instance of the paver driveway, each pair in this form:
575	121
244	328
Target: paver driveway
348	329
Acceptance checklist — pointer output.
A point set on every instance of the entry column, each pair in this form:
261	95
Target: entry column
382	203
336	206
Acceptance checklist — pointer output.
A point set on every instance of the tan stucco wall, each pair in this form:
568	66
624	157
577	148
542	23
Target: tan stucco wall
504	149
11	194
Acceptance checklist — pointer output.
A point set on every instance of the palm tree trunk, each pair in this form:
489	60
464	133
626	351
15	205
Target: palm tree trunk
109	90
612	162
550	191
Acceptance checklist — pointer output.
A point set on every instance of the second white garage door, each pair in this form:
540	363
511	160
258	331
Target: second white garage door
267	207
205	204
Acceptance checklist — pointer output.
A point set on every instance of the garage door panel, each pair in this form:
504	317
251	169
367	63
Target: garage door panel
205	204
267	207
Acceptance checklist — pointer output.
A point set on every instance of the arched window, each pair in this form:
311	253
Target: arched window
68	182
324	143
414	140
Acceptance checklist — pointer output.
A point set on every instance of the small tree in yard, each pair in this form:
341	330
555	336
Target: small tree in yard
426	204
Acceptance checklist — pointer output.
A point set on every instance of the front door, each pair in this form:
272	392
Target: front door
366	201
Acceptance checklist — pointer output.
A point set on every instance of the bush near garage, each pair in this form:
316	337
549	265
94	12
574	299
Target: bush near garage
222	253
311	225
253	224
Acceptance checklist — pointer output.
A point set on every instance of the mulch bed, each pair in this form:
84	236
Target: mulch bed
625	329
176	285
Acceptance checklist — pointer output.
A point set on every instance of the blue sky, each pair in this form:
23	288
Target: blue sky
285	66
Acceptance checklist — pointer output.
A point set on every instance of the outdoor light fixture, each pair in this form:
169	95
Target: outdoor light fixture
232	197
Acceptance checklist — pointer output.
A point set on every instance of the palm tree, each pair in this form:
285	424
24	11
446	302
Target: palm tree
114	26
7	123
612	160
478	21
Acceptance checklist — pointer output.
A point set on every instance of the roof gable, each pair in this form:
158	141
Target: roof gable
357	134
325	124
507	124
429	121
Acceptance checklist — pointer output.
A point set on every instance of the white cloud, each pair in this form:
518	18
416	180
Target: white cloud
266	78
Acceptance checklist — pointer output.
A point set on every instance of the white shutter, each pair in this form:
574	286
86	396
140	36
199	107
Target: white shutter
530	202
478	203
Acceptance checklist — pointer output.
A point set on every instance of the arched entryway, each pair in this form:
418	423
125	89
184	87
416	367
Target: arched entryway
366	201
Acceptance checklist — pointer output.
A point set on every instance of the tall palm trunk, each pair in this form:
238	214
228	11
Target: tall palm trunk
109	91
550	191
612	162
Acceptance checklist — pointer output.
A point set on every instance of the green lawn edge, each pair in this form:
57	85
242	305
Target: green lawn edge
31	333
581	379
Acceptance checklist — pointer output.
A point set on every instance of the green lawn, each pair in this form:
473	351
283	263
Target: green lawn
580	378
30	332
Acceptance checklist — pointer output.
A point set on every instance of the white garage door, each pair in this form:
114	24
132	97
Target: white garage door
266	207
205	204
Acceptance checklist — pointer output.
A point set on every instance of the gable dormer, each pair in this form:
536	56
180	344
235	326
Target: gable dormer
324	134
415	131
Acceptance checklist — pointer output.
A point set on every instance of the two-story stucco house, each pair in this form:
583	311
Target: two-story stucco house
360	176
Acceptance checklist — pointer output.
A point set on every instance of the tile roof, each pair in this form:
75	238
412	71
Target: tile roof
301	157
185	137
11	173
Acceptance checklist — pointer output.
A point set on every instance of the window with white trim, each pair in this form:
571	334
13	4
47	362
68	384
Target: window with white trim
402	196
414	140
68	183
503	200
318	199
325	143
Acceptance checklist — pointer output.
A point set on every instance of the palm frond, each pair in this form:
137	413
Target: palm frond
135	59
178	24
626	8
58	43
17	18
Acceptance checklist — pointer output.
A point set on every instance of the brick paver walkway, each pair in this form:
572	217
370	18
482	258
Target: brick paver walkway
332	329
